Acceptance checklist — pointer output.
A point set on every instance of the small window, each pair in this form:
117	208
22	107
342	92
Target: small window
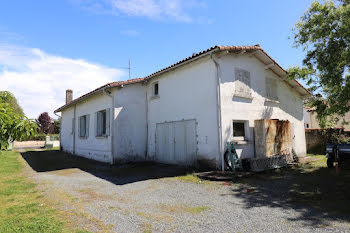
102	123
271	89
239	131
84	126
155	89
242	83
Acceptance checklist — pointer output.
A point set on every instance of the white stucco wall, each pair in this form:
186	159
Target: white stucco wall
186	93
130	123
235	108
66	136
97	148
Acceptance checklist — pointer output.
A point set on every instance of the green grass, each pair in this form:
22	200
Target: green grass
22	207
196	209
191	178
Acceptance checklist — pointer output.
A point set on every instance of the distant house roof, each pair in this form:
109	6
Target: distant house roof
260	54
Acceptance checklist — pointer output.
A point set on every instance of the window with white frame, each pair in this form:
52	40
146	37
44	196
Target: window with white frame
271	89
84	122
242	83
102	123
155	89
239	130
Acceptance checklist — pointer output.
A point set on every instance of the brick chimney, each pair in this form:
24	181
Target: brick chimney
69	96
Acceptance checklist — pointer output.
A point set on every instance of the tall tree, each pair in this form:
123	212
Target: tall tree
57	124
8	97
45	122
324	33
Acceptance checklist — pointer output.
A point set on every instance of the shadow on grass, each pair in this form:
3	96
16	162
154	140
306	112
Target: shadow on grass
46	161
315	192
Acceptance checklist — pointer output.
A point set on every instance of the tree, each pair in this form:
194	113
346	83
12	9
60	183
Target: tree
57	124
8	97
44	122
324	33
14	126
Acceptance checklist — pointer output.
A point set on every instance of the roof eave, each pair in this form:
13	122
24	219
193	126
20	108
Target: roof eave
60	109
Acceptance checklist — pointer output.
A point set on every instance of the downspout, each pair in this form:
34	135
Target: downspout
146	152
218	112
75	120
112	125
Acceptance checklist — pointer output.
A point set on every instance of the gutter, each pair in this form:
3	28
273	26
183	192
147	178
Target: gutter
112	125
218	107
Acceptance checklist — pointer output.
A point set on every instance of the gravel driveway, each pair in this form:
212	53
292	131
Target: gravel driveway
147	197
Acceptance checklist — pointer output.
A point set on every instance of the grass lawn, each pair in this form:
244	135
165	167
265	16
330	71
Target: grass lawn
22	207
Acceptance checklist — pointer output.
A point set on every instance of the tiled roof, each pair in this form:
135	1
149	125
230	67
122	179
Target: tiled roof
211	49
112	84
196	55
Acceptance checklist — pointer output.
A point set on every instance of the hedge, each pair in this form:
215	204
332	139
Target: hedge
42	137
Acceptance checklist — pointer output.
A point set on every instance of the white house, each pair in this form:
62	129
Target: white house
185	113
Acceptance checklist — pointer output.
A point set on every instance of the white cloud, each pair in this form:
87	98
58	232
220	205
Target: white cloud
39	80
153	9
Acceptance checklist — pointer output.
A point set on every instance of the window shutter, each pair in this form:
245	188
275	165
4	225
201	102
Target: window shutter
87	123
242	82
79	127
108	119
95	124
271	88
72	126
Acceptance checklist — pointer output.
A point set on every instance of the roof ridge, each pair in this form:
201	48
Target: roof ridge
194	55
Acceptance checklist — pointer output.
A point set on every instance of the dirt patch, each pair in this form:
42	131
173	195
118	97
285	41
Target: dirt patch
67	172
91	194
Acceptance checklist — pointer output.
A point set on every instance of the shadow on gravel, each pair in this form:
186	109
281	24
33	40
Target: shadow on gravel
317	194
46	161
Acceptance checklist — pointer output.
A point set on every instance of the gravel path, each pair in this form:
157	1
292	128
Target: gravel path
172	204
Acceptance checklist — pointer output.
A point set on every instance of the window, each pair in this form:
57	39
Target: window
239	130
155	89
242	83
271	89
102	123
84	126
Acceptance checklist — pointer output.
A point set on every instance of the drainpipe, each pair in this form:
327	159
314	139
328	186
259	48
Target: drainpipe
75	120
146	152
112	125
218	106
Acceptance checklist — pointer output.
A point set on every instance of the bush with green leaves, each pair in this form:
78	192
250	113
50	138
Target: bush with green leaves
14	126
324	34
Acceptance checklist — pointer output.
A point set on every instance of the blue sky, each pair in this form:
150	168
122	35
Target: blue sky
49	46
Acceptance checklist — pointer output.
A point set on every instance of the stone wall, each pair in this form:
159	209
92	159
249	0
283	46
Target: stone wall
316	139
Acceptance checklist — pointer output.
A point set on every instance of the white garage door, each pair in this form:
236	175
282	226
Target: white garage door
176	142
